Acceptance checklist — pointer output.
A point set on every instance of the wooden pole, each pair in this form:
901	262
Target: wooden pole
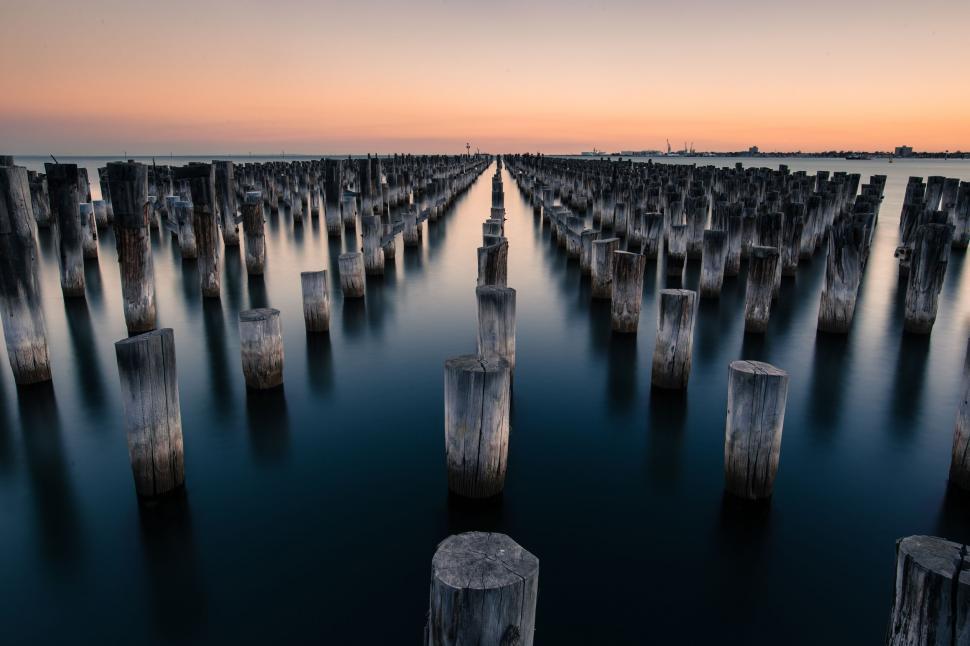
675	339
493	262
129	194
762	270
927	269
253	231
960	459
371	229
483	591
225	201
713	260
21	303
153	419
757	394
62	184
261	346
412	229
316	301
653	228
351	266
188	248
477	395
39	199
496	323
89	231
627	291
601	269
930	593
586	239
205	224
843	273
732	264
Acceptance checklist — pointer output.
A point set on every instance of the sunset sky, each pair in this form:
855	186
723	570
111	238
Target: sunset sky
105	76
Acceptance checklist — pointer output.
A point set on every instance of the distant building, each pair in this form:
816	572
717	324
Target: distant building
904	151
753	150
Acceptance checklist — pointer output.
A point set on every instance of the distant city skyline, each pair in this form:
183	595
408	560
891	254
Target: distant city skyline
101	77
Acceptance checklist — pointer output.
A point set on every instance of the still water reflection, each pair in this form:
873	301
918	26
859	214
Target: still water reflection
311	513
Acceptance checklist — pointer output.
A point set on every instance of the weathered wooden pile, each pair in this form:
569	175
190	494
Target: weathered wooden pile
199	204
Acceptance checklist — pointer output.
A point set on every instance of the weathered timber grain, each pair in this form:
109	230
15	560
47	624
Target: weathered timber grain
675	339
316	300
21	303
351	267
153	419
762	272
484	588
261	347
129	194
931	593
627	291
477	398
757	395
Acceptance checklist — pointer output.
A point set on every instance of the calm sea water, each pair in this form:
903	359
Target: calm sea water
312	514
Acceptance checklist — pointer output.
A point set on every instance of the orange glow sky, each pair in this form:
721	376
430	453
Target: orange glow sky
105	76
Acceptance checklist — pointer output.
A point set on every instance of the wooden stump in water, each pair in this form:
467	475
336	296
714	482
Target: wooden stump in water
261	346
205	224
21	305
931	593
477	397
412	230
225	201
129	194
927	268
62	185
762	271
493	263
627	291
677	239
843	273
351	266
153	419
675	339
483	591
186	234
371	229
252	220
316	301
960	459
586	239
715	245
732	264
331	214
496	323
89	231
757	394
601	268
791	238
492	228
39	199
100	213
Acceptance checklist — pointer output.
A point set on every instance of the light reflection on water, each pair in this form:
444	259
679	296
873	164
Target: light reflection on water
311	509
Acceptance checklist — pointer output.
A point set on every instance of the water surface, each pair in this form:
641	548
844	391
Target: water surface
311	514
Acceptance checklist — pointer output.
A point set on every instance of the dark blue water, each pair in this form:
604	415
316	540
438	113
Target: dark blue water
311	515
